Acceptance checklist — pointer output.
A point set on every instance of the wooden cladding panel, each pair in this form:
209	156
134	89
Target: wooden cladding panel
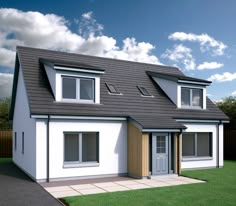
5	144
145	154
178	152
138	152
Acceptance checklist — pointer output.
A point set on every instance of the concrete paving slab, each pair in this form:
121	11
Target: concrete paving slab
113	186
58	189
91	191
125	183
116	188
144	181
157	184
137	186
105	184
176	182
83	186
65	194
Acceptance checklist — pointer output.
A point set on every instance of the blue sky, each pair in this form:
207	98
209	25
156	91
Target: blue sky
197	36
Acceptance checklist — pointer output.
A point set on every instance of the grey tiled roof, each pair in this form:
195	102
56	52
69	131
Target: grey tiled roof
156	122
125	75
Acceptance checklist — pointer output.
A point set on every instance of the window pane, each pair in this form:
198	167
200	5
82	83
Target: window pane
197	97
87	89
185	96
188	145
203	144
69	88
161	144
71	147
89	147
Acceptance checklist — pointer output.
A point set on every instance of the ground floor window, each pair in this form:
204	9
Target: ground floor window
197	144
81	147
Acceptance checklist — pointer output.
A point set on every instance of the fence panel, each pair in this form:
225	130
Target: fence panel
230	144
5	143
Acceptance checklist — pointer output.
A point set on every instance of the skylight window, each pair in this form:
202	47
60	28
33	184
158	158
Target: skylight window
144	92
112	89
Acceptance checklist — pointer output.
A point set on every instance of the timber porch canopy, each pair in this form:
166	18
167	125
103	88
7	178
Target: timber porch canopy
154	145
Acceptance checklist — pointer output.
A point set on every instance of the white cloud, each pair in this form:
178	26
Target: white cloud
210	65
5	85
234	93
7	57
181	54
207	43
225	77
52	32
87	15
210	95
88	25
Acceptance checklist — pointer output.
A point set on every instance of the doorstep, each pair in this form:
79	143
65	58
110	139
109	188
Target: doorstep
104	185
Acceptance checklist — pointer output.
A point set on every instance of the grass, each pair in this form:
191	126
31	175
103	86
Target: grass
5	160
220	190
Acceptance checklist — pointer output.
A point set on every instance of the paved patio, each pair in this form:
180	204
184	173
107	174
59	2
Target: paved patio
102	185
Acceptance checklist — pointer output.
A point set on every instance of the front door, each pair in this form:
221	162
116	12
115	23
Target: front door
159	154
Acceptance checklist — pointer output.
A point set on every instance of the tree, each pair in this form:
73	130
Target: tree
4	113
228	106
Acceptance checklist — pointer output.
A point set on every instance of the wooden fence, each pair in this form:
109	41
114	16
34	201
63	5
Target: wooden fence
230	140
230	144
6	143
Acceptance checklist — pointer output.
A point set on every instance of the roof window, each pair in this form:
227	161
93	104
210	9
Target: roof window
112	89
144	91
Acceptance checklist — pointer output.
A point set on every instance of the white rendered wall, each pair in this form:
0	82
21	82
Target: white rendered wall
112	148
41	149
221	143
186	164
23	123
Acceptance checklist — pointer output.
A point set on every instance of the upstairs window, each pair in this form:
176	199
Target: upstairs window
69	88
79	89
144	92
112	89
191	97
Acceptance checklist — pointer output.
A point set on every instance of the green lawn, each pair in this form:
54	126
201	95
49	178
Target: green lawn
5	160
220	190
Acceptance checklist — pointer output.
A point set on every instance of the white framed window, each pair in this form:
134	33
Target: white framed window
197	144
78	89
81	148
191	97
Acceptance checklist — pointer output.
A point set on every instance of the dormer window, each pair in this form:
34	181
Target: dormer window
78	89
191	98
69	88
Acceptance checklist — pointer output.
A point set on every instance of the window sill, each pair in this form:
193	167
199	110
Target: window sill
79	165
188	159
191	108
77	102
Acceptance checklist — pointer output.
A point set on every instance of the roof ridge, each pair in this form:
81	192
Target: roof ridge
98	57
